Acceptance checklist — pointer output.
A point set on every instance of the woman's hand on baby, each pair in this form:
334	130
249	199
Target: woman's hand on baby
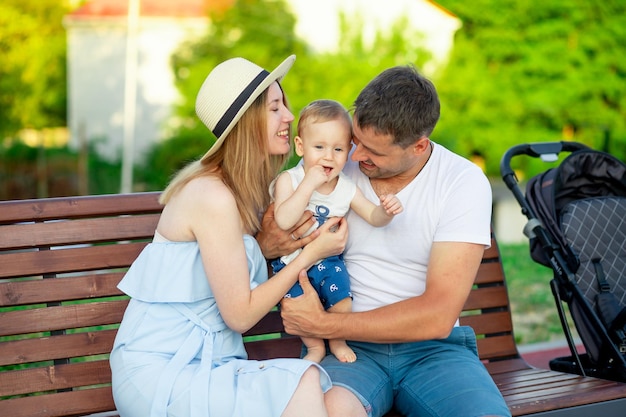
333	235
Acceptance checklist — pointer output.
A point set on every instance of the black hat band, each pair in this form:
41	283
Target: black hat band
241	99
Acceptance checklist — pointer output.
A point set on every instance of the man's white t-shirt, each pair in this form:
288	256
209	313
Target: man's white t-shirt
449	200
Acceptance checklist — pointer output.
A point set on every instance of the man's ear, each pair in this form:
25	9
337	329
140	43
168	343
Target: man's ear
297	141
422	145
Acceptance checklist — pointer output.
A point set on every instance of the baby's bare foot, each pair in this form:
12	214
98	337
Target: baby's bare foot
342	351
315	354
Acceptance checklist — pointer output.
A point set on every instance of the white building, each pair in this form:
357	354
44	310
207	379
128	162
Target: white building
96	54
97	57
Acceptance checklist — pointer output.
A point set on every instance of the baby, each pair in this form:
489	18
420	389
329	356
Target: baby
324	141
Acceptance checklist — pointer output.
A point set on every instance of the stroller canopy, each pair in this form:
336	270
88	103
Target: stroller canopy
583	174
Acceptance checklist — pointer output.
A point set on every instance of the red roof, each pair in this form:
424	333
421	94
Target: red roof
164	8
440	7
151	8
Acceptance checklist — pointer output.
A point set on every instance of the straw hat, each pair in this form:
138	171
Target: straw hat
229	90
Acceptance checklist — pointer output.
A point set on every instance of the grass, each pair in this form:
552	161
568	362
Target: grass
535	317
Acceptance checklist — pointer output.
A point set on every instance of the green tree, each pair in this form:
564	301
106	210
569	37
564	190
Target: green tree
33	87
532	72
261	31
341	74
264	32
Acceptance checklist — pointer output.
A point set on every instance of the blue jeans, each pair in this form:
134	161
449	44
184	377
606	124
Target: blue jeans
430	378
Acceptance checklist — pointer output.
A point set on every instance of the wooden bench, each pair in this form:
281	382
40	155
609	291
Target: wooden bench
60	262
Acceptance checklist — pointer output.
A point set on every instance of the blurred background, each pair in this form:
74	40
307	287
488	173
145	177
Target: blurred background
97	96
89	89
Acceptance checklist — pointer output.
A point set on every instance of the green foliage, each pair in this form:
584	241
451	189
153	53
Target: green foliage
264	32
37	172
340	75
33	67
519	72
166	158
103	175
261	31
534	72
535	317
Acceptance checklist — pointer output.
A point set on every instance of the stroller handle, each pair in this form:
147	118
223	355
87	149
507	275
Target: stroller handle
535	150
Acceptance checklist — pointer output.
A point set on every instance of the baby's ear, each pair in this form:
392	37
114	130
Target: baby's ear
297	141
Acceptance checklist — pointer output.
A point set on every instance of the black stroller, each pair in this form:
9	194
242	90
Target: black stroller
577	226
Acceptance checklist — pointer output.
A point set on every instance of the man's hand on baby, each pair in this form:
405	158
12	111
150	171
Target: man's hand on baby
275	242
300	314
391	204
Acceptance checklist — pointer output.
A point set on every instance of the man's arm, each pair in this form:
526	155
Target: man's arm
451	271
275	242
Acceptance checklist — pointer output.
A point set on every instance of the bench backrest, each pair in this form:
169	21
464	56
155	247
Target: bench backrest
61	259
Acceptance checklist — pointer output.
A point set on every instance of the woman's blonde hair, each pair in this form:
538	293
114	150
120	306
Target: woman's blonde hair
243	163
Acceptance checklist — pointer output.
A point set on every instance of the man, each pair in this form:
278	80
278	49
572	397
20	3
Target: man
411	278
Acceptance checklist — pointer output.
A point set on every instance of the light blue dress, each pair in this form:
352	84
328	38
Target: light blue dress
175	356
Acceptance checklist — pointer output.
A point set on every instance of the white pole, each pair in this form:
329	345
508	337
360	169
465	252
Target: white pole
130	97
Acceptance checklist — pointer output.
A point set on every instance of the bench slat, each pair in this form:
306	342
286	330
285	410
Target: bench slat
55	377
271	323
526	391
507	366
57	347
497	347
486	298
489	273
15	293
71	403
76	207
72	316
286	347
488	323
24	264
80	231
492	253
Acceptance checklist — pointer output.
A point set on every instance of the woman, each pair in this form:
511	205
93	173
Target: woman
203	281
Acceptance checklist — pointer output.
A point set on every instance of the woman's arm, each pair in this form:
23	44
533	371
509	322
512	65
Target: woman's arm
220	237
